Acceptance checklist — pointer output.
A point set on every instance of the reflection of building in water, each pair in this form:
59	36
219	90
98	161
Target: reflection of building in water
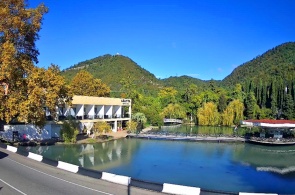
279	159
277	170
105	155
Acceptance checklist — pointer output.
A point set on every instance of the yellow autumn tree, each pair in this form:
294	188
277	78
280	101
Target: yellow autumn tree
101	128
233	113
208	114
85	84
27	88
173	111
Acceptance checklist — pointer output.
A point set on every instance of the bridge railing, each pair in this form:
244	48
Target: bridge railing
172	120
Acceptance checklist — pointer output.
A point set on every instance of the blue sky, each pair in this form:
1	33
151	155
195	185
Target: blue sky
205	39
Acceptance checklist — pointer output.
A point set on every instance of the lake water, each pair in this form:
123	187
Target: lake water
233	167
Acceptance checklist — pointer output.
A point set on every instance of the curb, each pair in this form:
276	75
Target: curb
120	179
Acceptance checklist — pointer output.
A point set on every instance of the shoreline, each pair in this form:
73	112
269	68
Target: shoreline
187	138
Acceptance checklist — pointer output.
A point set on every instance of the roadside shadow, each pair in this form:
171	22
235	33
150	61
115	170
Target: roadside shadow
3	155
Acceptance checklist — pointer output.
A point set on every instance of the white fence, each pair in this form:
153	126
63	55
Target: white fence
172	120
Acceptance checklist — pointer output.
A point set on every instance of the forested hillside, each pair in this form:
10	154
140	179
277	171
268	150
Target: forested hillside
277	63
116	71
261	88
271	78
179	82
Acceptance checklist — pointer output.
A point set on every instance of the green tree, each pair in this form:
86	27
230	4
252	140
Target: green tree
238	93
264	113
250	103
173	111
222	102
85	84
151	107
69	131
189	100
167	96
288	107
140	119
274	102
128	86
208	96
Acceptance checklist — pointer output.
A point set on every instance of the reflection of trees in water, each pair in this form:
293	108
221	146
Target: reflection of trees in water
267	158
187	130
97	156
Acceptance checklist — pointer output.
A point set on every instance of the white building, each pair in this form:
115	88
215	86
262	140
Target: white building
88	110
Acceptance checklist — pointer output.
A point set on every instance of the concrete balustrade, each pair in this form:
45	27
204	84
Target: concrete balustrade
119	179
36	157
11	149
180	190
68	167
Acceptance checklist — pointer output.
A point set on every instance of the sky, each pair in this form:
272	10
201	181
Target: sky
204	39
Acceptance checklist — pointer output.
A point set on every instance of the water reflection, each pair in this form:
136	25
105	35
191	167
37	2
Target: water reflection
100	156
216	166
277	159
186	130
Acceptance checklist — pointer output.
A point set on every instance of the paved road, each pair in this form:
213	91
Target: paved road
22	175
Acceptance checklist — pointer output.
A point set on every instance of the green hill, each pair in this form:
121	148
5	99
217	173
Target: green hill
182	81
111	69
275	64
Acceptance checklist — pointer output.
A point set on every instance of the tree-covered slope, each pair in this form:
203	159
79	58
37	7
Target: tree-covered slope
277	63
180	82
113	69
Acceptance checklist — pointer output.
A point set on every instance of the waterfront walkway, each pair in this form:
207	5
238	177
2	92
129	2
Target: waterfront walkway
187	138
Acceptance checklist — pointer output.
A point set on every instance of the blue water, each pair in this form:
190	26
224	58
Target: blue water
233	167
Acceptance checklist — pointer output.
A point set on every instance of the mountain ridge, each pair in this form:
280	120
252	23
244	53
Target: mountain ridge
278	62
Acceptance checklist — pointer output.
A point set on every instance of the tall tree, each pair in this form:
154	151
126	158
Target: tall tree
238	93
85	84
173	111
27	88
222	102
288	107
250	104
167	96
233	113
208	114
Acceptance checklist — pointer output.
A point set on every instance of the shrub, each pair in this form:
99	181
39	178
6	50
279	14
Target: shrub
69	131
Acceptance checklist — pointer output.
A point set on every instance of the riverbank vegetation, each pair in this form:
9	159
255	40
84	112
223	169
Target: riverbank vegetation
261	88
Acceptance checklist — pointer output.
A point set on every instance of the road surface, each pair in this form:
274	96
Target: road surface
20	175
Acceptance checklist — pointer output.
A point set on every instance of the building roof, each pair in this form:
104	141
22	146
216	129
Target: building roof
270	123
90	100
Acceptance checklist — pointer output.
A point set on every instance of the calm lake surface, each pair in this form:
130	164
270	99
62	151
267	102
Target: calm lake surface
233	167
